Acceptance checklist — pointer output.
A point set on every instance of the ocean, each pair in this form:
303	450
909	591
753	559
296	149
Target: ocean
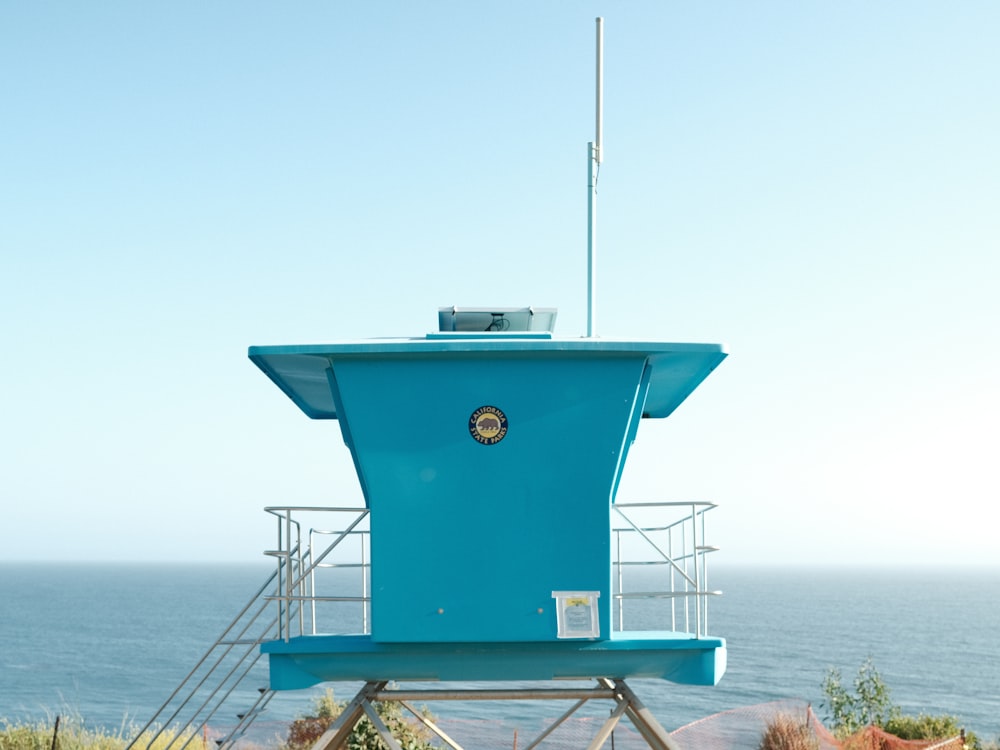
108	643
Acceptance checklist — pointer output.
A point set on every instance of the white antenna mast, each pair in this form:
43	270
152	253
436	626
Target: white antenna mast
595	155
598	154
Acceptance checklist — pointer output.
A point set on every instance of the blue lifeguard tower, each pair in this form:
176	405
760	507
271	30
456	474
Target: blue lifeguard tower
491	545
489	453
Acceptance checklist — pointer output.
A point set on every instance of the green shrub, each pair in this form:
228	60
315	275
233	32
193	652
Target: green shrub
869	704
304	731
923	727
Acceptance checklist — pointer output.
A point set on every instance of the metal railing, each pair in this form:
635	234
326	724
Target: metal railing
335	561
659	566
664	542
661	545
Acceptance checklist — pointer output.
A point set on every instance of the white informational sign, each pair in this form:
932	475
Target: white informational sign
576	614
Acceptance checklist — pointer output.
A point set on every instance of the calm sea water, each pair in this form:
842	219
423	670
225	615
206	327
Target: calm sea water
110	642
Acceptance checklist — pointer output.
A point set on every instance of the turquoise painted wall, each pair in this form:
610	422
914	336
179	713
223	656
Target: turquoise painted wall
469	540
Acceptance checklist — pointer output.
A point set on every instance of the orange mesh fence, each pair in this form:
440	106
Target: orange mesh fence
737	729
485	734
744	727
873	738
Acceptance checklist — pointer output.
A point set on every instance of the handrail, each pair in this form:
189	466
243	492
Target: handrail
670	537
213	695
218	679
298	585
677	544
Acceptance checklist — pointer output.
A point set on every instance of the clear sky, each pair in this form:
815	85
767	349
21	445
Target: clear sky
814	184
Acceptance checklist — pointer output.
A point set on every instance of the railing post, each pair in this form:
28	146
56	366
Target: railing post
621	590
704	571
364	586
673	588
696	551
311	586
288	575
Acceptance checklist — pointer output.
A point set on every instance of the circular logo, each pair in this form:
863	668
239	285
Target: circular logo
488	425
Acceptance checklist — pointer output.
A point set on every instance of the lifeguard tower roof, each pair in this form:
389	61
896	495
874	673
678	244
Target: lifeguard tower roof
489	454
300	371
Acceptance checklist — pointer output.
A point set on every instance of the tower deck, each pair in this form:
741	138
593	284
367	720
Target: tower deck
308	660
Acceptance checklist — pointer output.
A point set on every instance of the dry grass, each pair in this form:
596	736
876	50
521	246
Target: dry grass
73	735
786	733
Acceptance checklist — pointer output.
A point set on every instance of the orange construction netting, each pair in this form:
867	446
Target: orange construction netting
744	728
736	729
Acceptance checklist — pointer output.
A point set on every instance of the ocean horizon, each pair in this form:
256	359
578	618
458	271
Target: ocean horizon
109	642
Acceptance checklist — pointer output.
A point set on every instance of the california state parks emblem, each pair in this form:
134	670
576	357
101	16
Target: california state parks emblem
488	425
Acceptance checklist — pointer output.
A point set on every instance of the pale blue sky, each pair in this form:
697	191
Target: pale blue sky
814	184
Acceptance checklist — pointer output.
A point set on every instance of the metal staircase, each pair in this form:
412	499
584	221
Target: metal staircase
228	687
229	683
